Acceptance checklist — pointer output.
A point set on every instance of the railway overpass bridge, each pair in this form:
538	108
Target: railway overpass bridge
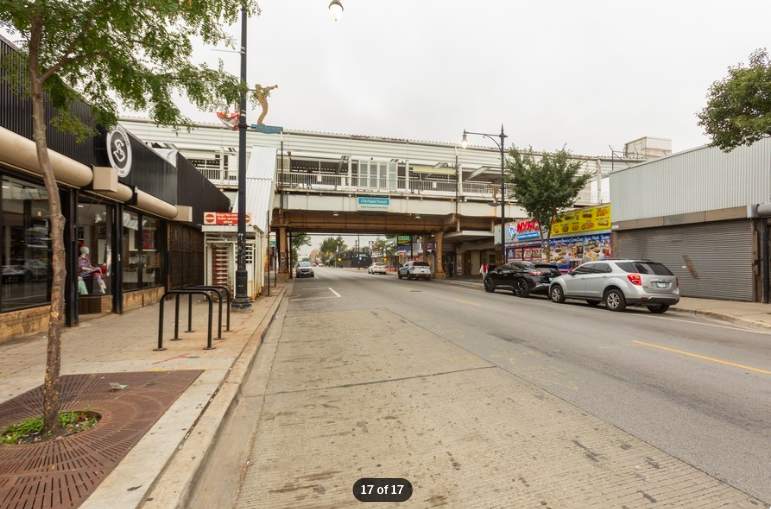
451	218
340	183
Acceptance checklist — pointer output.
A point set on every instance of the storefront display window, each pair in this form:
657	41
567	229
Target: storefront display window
130	262
151	253
142	252
26	245
94	245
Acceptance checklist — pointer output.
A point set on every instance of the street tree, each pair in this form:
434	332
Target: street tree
385	246
299	240
332	245
738	110
105	52
544	185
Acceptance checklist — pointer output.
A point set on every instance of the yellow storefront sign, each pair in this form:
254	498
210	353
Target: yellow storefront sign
582	220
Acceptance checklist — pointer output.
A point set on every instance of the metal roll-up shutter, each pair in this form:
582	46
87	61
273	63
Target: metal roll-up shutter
712	260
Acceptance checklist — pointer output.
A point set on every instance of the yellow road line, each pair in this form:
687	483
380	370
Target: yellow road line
704	357
469	303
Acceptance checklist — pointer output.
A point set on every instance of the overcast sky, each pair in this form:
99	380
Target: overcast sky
586	74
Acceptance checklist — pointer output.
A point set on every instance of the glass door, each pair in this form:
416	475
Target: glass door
94	245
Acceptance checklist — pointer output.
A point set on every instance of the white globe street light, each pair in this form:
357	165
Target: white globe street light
336	9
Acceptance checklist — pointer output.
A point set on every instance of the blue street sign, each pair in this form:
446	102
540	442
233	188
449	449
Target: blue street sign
266	129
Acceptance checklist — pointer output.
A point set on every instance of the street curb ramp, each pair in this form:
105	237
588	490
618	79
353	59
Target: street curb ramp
173	486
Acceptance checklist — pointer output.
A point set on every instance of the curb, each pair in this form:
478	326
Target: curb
737	320
467	284
172	487
723	317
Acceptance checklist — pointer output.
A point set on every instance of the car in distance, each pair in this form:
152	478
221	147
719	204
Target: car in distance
304	269
376	268
522	278
618	283
415	270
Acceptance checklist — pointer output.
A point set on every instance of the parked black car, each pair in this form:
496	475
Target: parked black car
522	278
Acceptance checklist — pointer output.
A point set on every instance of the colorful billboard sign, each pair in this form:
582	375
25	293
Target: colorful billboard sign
566	252
582	220
571	252
404	240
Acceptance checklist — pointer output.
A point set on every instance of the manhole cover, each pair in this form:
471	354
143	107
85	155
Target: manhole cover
62	473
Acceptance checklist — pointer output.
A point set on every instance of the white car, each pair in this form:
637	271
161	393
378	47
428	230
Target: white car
376	268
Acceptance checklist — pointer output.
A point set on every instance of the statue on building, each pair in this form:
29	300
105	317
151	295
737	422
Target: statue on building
261	95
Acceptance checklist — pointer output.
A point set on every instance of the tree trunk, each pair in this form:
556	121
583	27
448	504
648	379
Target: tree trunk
53	358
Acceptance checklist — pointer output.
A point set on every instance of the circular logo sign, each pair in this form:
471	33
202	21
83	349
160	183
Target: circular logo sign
119	151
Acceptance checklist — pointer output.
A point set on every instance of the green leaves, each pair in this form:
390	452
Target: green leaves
133	52
332	245
545	184
738	110
385	246
299	240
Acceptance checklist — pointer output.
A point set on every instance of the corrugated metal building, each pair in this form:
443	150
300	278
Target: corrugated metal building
697	212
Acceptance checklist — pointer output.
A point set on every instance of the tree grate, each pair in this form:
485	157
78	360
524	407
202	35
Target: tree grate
62	473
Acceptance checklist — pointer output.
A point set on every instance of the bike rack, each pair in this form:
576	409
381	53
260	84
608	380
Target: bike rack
189	292
213	288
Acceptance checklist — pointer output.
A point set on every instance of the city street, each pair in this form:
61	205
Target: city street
693	388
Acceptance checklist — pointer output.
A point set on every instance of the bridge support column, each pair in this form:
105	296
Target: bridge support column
283	254
424	246
439	273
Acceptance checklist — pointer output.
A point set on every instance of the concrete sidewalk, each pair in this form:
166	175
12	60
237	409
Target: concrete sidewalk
114	344
368	394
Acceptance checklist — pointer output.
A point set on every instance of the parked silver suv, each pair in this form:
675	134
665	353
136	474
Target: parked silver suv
618	283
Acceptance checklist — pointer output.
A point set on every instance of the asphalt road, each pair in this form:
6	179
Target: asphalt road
697	389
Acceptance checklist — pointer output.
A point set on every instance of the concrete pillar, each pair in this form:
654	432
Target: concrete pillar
439	272
283	254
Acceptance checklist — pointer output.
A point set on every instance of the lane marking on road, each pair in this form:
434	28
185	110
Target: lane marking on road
469	303
336	296
706	324
703	357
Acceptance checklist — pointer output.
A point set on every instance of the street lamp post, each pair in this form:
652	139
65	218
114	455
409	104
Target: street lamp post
502	147
241	301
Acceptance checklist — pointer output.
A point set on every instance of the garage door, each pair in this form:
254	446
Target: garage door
712	260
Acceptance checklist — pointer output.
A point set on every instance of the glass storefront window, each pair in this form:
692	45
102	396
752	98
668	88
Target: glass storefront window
26	245
130	261
152	253
142	252
94	245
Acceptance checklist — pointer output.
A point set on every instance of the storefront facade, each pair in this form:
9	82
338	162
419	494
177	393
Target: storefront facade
705	215
577	237
130	218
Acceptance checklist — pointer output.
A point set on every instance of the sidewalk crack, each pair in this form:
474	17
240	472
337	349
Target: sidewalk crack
346	386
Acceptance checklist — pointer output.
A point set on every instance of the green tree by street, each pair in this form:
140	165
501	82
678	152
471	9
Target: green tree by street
332	245
136	52
544	186
385	246
299	240
738	110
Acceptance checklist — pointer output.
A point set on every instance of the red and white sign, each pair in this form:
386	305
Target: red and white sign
527	226
223	218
